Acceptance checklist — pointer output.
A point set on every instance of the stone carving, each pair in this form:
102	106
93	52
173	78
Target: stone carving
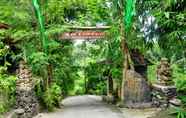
164	72
164	92
26	102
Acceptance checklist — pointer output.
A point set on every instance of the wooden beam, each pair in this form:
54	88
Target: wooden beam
4	26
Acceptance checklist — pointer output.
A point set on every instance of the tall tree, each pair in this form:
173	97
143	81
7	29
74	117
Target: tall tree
125	11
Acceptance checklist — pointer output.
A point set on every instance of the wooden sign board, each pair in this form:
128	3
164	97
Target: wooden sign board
83	35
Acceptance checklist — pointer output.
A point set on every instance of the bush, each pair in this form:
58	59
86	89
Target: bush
52	97
7	92
178	112
180	82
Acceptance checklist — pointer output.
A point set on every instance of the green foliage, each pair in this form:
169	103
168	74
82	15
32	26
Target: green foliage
151	73
181	83
95	58
52	96
7	92
39	16
179	78
170	15
96	83
25	36
183	99
129	13
179	112
38	63
7	80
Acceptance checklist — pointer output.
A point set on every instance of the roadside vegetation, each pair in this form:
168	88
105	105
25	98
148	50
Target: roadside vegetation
29	31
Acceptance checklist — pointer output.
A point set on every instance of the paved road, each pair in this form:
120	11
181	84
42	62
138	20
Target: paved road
84	107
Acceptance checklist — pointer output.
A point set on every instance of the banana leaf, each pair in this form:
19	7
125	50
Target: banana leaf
40	19
129	12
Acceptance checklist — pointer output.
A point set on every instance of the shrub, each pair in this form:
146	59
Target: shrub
52	97
181	83
7	92
179	112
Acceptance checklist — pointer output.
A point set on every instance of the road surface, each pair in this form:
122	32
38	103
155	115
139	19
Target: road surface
87	106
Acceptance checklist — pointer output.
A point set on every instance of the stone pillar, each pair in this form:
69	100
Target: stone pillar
26	102
164	91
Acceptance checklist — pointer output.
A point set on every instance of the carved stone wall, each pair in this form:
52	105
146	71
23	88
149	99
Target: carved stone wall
164	72
26	101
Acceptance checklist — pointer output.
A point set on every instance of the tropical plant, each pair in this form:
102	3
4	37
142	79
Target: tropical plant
7	92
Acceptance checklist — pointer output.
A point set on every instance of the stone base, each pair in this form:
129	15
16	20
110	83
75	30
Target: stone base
138	105
162	95
168	91
175	102
26	103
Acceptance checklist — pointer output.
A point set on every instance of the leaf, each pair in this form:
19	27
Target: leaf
41	24
167	15
7	63
129	13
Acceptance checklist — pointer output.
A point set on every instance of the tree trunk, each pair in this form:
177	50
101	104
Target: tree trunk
127	63
109	85
50	74
85	84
